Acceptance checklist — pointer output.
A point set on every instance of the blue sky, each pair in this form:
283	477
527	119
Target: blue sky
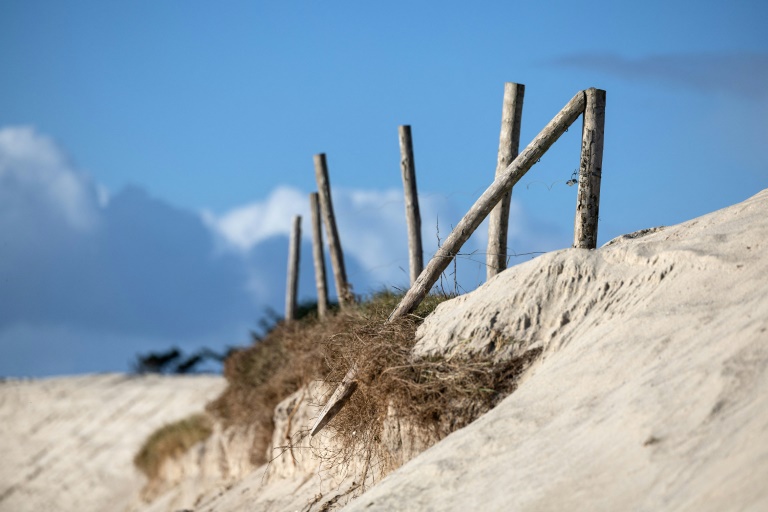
152	154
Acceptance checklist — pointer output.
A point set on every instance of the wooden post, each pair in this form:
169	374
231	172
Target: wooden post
334	244
292	286
590	171
459	235
412	215
486	202
318	256
509	145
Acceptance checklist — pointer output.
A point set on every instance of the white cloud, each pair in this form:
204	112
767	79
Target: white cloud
33	162
246	226
152	273
373	233
371	226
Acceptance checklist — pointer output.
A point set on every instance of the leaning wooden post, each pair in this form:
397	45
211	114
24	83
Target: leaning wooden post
292	286
334	244
412	215
486	202
590	171
458	236
509	145
318	256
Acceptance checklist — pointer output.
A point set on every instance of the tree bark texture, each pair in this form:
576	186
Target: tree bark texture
412	215
590	171
334	243
317	254
509	145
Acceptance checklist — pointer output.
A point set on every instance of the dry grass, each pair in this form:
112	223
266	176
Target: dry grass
289	357
262	375
432	397
172	440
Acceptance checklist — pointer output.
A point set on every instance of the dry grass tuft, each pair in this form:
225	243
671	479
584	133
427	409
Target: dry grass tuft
170	441
430	397
262	375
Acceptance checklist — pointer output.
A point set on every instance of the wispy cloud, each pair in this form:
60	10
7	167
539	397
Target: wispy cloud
739	74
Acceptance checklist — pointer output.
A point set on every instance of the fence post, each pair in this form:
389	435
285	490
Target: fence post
460	234
590	171
509	145
318	256
292	285
479	211
412	215
334	244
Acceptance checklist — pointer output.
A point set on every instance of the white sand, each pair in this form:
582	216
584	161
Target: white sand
651	394
68	443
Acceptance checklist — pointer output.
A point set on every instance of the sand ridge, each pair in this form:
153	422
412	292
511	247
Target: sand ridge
649	394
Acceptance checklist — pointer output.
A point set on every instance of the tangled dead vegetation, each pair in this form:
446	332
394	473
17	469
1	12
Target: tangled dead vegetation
398	395
401	395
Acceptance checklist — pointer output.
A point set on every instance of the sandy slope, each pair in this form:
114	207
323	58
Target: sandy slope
67	443
652	393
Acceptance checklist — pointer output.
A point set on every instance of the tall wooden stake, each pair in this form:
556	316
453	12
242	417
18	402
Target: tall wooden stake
461	234
412	215
590	171
509	145
482	207
318	256
334	244
292	286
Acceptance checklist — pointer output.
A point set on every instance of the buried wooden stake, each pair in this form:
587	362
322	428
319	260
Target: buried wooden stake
509	145
292	286
479	211
334	244
460	234
412	215
319	257
590	171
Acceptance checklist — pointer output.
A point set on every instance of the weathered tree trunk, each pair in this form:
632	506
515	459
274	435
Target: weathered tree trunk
318	256
334	244
590	171
486	202
292	286
412	215
509	145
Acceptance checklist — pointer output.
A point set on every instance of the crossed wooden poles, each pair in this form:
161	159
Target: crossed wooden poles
591	103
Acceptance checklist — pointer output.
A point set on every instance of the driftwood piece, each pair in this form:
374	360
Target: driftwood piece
338	399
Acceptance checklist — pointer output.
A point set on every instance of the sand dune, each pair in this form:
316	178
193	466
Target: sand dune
68	443
652	393
649	393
